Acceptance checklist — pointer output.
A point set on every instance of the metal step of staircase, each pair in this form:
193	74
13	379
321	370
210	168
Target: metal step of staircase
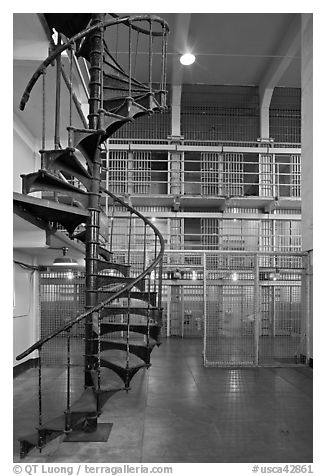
151	312
65	160
107	280
125	373
140	349
110	327
123	268
42	180
141	296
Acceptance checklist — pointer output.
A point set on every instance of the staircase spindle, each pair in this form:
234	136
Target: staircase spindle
136	52
130	44
144	252
160	276
148	308
98	395
154	270
128	332
70	89
40	416
112	225
67	413
43	116
150	64
102	69
129	237
162	60
57	98
165	57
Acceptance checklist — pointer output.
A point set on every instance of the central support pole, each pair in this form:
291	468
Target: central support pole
93	224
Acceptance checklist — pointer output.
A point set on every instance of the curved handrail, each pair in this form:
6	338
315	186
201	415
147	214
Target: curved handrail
60	49
142	30
102	304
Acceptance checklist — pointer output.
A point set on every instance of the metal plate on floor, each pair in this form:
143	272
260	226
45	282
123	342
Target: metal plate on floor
101	434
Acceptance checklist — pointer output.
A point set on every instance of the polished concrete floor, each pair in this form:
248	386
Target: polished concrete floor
181	412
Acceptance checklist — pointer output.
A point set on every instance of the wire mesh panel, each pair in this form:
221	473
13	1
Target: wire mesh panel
62	299
176	311
281	338
253	310
230	316
193	314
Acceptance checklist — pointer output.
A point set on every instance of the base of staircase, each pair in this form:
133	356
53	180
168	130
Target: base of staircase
101	434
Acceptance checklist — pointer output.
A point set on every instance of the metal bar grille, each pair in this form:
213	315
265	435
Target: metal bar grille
295	175
141	172
210	174
233	174
118	171
210	233
266	175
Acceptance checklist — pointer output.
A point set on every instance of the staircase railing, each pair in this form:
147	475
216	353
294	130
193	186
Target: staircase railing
115	98
129	20
154	284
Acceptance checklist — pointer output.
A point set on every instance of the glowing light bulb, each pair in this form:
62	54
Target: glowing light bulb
187	59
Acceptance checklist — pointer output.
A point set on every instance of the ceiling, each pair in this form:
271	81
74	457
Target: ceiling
231	49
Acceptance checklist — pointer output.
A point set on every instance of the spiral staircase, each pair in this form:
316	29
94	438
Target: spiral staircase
123	313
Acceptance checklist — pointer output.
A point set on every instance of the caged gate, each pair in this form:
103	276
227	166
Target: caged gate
253	308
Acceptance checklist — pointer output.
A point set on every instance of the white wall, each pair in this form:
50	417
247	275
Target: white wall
26	158
25	306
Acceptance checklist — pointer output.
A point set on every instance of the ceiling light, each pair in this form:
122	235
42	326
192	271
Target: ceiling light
187	59
65	260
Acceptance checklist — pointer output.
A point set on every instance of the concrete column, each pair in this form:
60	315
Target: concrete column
265	100
307	156
175	110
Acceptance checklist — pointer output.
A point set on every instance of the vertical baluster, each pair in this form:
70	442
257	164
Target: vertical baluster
160	275
57	99
70	92
129	238
155	254
98	395
162	63
128	338
43	116
165	59
67	412
40	416
144	251
148	314
112	225
150	64
130	60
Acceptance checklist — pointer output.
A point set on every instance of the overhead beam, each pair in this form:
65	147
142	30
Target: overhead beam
282	58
